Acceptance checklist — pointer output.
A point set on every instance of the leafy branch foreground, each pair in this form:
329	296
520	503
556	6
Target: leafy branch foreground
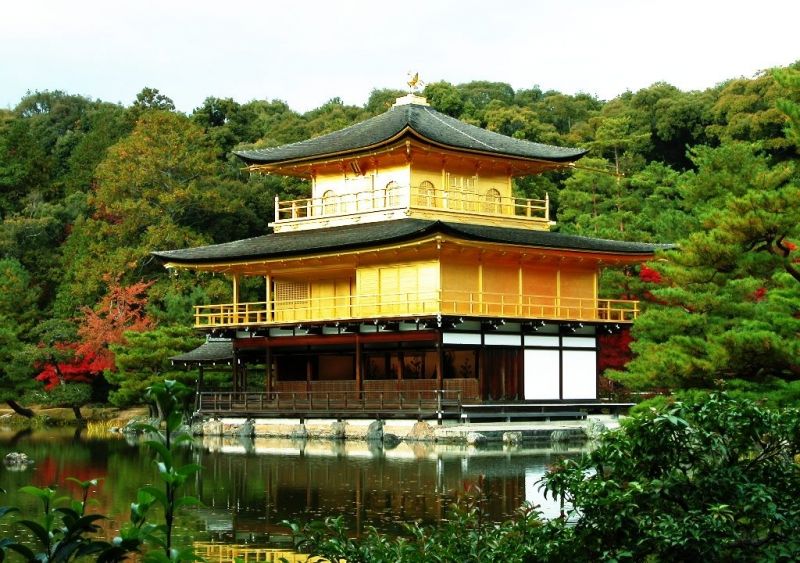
716	479
712	478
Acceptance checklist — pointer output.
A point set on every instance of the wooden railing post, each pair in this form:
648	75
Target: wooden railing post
546	206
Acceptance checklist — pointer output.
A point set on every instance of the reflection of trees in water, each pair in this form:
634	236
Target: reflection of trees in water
59	453
250	486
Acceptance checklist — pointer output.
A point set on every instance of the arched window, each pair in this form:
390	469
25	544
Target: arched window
329	203
426	195
492	201
392	194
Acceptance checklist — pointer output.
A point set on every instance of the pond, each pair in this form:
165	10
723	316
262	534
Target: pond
249	487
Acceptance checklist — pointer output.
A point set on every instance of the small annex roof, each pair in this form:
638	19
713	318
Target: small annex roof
421	121
367	235
209	352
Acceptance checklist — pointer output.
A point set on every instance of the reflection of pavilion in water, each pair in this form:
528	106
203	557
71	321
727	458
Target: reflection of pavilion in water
247	496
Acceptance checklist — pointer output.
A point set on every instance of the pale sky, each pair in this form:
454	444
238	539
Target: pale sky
306	52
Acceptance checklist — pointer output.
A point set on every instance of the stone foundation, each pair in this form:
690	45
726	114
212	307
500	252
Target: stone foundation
393	431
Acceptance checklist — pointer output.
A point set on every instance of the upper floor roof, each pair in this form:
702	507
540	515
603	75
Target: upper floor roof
415	120
380	234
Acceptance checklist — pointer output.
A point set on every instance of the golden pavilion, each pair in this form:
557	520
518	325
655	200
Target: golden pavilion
412	275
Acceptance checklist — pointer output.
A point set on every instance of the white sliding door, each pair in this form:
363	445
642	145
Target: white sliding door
541	375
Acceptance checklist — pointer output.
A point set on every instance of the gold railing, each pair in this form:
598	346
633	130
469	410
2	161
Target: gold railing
398	305
414	197
229	553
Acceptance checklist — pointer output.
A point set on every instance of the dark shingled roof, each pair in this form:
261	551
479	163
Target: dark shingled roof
208	352
299	243
426	122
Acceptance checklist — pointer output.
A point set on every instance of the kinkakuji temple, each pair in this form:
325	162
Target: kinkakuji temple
411	278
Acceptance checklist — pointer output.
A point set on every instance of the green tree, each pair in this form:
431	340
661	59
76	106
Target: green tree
380	101
618	137
789	79
149	99
521	123
747	110
16	373
24	165
143	360
104	125
444	97
709	480
155	189
331	116
227	123
729	296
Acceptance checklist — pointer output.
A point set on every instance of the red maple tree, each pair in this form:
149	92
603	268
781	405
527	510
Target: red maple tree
120	310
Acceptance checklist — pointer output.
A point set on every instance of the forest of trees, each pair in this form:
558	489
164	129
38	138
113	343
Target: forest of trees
88	189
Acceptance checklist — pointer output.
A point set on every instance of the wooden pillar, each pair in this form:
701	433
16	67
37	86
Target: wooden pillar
479	361
503	368
235	298
358	361
480	283
268	375
199	387
439	361
235	371
268	298
309	370
400	366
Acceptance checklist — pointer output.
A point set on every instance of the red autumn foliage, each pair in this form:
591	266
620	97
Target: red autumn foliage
759	294
53	471
121	309
649	275
81	369
615	351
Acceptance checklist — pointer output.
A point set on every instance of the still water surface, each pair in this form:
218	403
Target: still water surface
248	487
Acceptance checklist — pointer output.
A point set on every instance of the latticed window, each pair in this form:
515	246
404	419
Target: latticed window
291	293
329	203
492	201
426	196
392	194
461	193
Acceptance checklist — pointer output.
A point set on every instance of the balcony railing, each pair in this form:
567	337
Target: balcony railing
415	197
325	403
405	304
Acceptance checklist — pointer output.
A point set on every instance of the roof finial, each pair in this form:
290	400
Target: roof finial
414	82
413	97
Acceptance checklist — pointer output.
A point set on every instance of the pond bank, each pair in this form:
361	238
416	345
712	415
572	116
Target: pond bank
409	430
47	416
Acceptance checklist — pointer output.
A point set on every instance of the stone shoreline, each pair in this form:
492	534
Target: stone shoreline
396	430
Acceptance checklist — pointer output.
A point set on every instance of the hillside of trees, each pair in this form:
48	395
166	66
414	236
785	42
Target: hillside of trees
89	188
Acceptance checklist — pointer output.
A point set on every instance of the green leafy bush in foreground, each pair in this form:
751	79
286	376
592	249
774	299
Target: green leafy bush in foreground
713	479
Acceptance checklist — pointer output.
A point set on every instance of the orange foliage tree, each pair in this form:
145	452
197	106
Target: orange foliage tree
122	309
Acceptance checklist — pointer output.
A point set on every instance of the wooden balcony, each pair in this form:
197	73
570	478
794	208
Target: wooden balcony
382	204
400	305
